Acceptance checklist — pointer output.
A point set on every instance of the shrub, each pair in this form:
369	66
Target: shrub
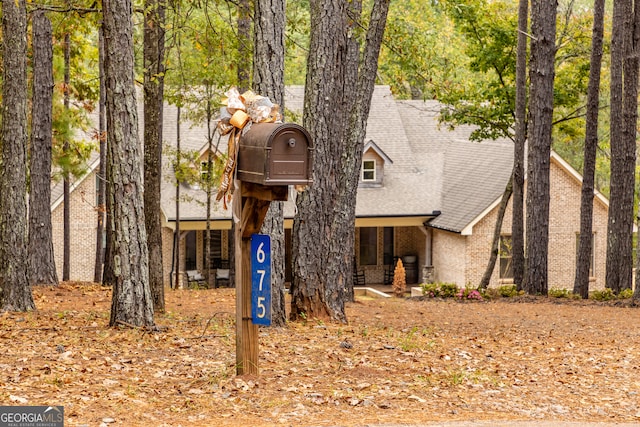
625	294
508	291
469	294
607	294
604	295
448	290
431	290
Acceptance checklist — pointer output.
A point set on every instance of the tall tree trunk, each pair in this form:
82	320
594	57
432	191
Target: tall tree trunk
131	301
209	190
66	186
244	45
495	245
352	159
624	76
585	245
14	286
541	75
517	218
176	233
268	80
323	235
319	277
632	95
102	179
42	266
153	115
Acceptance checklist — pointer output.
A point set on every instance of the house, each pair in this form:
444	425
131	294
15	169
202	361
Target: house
426	195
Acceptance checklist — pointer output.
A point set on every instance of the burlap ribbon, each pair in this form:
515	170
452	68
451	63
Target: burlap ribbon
237	115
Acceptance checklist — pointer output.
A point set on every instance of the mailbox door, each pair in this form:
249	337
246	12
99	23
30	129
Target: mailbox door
289	156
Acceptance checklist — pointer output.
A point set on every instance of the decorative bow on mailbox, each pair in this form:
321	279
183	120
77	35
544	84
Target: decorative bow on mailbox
236	117
262	149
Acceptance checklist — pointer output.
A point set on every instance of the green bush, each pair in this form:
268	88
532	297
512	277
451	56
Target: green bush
604	295
449	290
625	294
508	291
607	294
439	290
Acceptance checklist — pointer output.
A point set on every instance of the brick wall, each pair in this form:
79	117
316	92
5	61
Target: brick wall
564	226
83	231
449	258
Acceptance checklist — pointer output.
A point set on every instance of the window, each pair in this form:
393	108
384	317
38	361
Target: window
592	258
215	247
505	253
190	251
368	170
387	245
368	245
204	171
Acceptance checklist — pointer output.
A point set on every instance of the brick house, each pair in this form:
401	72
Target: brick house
427	195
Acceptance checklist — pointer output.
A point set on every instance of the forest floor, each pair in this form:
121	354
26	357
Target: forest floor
398	360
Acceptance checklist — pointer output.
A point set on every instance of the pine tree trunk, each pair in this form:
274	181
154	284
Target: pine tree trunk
268	80
542	71
14	286
66	185
131	301
102	179
623	148
352	161
153	115
517	218
320	273
585	245
323	243
42	266
244	45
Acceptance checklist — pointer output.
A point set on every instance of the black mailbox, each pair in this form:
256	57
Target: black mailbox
275	154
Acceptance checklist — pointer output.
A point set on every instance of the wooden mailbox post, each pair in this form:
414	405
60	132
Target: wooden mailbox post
271	156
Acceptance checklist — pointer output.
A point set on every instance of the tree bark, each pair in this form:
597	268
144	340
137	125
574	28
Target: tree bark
517	218
131	302
352	160
268	80
336	108
66	185
15	292
153	116
541	75
244	45
624	76
102	179
42	266
585	244
319	276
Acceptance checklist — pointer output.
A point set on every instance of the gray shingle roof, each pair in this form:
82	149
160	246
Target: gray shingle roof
431	169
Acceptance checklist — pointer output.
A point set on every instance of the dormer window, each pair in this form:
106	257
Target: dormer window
374	161
204	171
368	170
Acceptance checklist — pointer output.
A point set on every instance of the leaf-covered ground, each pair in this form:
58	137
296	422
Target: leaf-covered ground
397	361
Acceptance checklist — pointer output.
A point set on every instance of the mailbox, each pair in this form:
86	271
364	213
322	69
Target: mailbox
275	154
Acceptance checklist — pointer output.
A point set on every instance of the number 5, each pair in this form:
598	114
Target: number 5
262	310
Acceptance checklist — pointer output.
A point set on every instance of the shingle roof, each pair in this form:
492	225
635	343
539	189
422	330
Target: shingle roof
432	168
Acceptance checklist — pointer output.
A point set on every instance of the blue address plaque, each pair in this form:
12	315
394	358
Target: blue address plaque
261	279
